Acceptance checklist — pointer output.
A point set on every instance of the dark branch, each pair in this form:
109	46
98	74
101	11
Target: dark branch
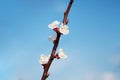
65	21
47	66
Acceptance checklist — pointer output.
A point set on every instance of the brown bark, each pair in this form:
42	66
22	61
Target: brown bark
47	66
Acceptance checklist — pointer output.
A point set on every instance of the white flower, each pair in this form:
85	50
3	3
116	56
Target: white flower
54	24
52	38
43	59
62	54
64	29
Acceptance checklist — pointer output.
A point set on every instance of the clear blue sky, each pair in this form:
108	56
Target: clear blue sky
93	45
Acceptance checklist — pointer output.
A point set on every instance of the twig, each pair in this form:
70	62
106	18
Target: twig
47	66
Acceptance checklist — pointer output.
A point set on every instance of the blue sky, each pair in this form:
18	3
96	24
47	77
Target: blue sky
92	46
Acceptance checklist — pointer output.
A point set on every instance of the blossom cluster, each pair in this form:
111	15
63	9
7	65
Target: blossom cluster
44	59
63	29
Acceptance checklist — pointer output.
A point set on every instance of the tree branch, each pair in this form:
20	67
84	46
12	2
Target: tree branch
65	21
47	66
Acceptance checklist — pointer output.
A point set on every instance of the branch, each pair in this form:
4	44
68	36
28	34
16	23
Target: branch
47	66
65	21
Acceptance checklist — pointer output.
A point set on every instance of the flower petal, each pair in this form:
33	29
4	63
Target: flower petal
62	54
54	24
64	29
52	38
43	59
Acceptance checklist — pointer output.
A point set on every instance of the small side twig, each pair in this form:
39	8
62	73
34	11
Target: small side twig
47	66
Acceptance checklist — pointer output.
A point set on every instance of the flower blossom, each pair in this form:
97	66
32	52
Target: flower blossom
61	54
43	59
64	29
52	38
54	24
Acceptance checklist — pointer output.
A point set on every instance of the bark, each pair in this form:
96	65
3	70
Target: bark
56	42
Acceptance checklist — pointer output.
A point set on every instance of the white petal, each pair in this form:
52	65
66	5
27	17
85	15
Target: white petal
43	59
64	29
62	54
52	38
54	24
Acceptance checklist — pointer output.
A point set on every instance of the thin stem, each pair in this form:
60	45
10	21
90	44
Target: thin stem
47	66
67	12
45	74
